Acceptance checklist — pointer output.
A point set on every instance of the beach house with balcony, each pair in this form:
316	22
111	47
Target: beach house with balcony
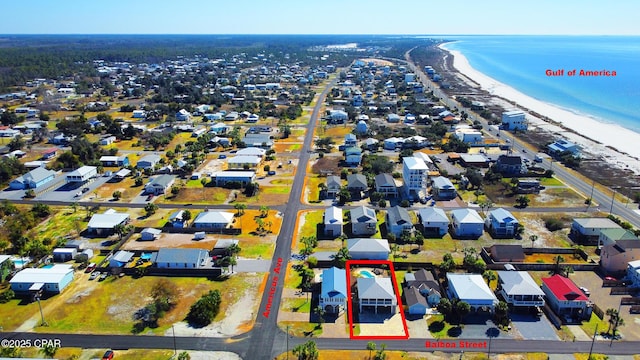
333	293
501	223
519	289
566	299
377	293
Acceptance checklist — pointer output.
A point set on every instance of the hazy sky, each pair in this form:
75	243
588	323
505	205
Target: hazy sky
320	17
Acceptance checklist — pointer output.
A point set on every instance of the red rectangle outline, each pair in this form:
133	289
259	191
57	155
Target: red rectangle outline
396	289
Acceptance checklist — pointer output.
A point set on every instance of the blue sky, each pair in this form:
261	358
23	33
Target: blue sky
542	17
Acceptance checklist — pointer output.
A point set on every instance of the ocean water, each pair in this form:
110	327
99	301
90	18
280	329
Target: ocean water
522	62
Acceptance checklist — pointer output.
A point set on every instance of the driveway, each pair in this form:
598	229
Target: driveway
479	326
533	328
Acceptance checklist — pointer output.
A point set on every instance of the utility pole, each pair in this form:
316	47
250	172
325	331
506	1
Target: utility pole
592	342
43	323
489	350
613	197
287	342
175	348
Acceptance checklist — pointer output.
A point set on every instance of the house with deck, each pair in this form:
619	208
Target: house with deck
434	221
566	299
501	223
472	289
333	293
519	289
363	221
376	293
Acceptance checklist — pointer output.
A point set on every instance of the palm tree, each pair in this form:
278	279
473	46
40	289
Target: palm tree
489	276
232	262
240	208
49	350
120	229
186	216
558	259
533	239
264	211
371	346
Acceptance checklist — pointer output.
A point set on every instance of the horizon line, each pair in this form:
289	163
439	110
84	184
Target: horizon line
291	34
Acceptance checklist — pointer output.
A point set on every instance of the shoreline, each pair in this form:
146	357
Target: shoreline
610	141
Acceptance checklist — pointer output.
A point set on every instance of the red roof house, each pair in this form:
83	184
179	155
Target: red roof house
48	154
566	299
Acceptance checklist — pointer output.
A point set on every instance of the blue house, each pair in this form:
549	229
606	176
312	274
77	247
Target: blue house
561	146
333	296
177	219
33	179
48	280
501	223
353	156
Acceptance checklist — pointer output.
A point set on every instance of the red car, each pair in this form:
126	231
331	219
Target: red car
108	355
610	278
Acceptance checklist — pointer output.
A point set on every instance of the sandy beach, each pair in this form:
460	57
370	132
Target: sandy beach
612	142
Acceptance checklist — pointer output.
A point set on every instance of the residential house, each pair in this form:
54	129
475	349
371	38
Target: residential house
466	223
393	143
357	184
113	161
82	174
426	285
159	185
507	253
148	162
244	162
510	165
371	144
263	141
587	230
350	140
472	289
501	223
398	221
519	290
48	280
528	186
332	220
334	293
181	258
615	254
633	273
121	258
566	299
221	248
415	175
149	234
514	120
34	179
442	188
177	219
183	115
49	154
213	219
469	135
434	221
561	146
107	140
333	186
363	221
362	128
221	178
393	118
416	303
368	249
64	254
338	117
231	116
376	292
139	114
105	223
474	160
352	156
385	184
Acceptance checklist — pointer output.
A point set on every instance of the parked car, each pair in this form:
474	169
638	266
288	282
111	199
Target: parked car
94	275
103	276
271	172
90	268
84	190
108	355
610	278
585	291
150	197
222	156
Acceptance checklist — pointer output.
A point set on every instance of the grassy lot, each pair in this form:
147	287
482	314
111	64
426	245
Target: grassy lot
311	188
557	197
157	220
248	225
550	182
438	327
550	259
180	138
281	182
287	147
292	279
107	307
308	225
589	327
197	195
301	329
63	222
297	305
138	354
126	186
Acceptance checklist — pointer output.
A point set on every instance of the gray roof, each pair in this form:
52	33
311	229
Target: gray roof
192	256
368	245
433	215
441	182
399	215
413	297
214	217
152	231
357	181
122	256
363	214
333	181
596	223
470	287
36	175
375	288
225	243
518	283
502	216
162	180
150	158
384	180
107	220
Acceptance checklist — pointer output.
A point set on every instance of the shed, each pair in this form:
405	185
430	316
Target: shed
149	234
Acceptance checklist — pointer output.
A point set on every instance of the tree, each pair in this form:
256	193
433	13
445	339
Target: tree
533	239
240	209
48	350
371	346
444	306
205	309
186	216
489	276
306	351
41	210
341	257
16	143
485	205
165	294
419	239
120	229
380	354
462	308
117	195
447	264
309	242
614	321
475	178
319	312
184	356
344	195
558	259
523	201
264	211
150	209
30	194
502	312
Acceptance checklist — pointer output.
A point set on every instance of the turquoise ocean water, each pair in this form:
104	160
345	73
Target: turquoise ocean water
522	62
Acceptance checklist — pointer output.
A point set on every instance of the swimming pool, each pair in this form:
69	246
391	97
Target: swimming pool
48	266
367	274
19	263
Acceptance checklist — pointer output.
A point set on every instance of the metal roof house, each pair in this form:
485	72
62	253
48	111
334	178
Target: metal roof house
587	230
442	188
519	289
333	293
213	219
159	185
501	223
376	292
82	174
466	223
33	179
104	224
121	258
566	299
181	258
49	280
472	289
371	249
333	185
398	220
223	177
332	220
434	221
363	221
148	162
149	234
385	184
